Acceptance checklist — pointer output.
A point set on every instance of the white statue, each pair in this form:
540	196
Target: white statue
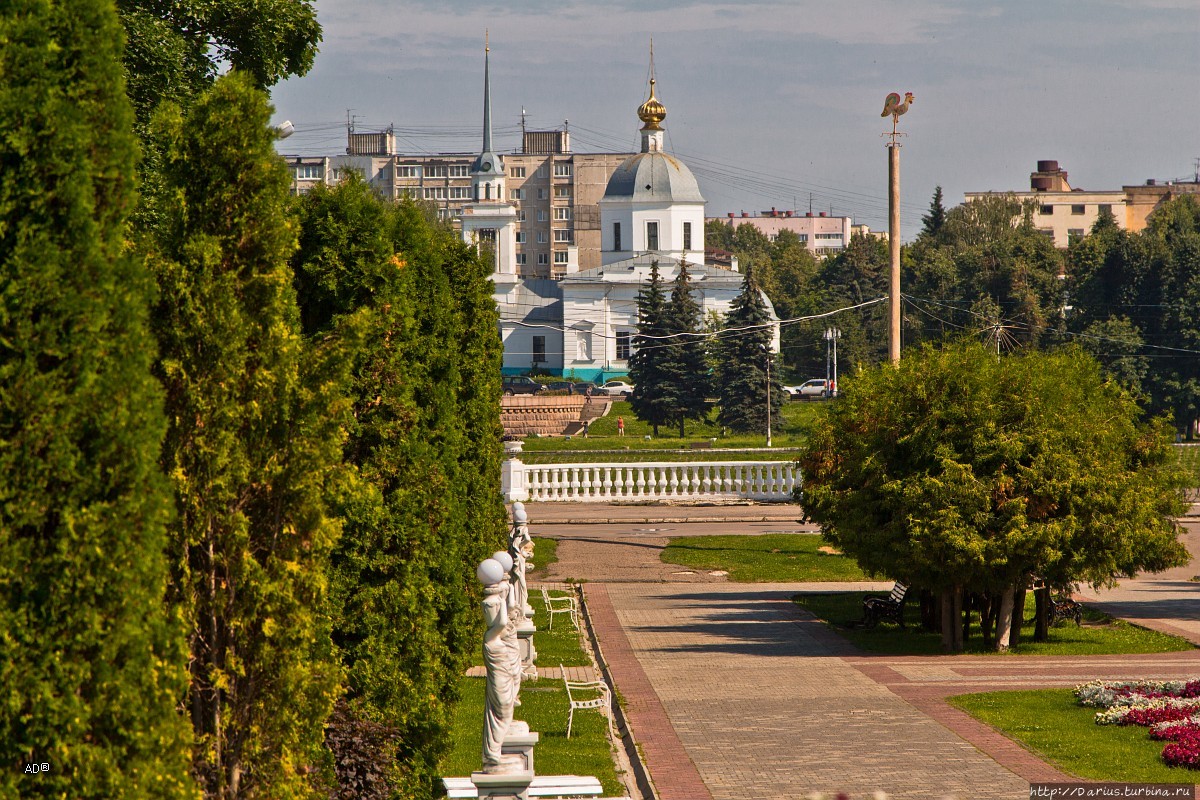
520	547
502	679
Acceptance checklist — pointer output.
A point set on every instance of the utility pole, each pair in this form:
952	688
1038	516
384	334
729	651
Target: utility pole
831	337
894	107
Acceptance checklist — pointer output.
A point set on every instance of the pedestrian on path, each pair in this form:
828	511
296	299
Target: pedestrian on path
620	426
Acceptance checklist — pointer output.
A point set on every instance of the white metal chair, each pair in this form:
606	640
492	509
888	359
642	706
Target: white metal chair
600	702
560	605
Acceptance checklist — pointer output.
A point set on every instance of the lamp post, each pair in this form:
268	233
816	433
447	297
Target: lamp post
831	338
767	353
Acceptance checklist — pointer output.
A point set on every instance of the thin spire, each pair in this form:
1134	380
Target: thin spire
487	96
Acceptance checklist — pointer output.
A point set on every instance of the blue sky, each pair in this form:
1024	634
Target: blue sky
771	102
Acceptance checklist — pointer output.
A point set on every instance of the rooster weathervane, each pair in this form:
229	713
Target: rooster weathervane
893	106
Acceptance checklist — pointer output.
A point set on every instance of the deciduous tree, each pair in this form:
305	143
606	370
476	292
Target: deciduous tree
957	470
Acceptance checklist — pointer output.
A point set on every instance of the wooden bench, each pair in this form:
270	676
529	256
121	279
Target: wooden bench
701	445
878	609
556	786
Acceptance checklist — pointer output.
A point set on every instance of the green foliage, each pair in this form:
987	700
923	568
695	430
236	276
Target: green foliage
688	381
775	558
252	443
1051	724
91	664
958	468
648	365
931	223
743	386
408	308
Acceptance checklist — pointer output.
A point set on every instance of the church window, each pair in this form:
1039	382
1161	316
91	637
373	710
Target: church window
622	345
687	236
616	236
539	349
651	236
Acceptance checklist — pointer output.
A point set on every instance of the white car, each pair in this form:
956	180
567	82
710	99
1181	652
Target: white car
809	390
618	389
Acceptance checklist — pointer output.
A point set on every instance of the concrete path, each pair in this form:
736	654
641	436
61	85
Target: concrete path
732	692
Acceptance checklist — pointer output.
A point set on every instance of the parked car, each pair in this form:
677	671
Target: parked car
583	387
618	389
810	390
561	386
522	384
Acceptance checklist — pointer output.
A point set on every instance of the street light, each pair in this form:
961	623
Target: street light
831	337
767	353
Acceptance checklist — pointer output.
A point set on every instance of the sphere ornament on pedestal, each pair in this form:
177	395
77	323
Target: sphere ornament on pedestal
490	572
504	559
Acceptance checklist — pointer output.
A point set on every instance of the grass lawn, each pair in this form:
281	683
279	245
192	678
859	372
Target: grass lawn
1054	726
545	553
1189	457
544	706
769	557
798	417
561	645
1099	635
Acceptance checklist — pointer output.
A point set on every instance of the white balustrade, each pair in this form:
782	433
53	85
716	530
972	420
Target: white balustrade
673	480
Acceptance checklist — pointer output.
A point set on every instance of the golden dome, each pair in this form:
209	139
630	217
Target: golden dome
652	112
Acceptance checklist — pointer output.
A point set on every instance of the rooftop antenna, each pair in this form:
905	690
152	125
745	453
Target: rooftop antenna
522	123
349	121
1197	170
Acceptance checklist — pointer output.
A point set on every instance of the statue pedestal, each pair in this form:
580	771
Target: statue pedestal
525	647
502	786
521	744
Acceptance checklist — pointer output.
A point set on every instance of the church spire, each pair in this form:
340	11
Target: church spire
488	173
487	96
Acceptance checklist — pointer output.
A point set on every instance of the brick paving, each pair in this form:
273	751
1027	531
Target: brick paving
734	693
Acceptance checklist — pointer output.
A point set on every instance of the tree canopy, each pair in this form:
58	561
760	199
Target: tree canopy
957	469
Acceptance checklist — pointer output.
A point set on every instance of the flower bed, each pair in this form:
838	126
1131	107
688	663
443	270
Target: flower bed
1171	709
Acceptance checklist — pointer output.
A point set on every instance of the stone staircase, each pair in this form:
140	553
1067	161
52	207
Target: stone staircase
526	415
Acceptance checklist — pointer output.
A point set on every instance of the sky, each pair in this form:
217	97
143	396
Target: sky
777	104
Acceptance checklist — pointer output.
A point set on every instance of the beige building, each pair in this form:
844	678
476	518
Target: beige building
556	192
1064	213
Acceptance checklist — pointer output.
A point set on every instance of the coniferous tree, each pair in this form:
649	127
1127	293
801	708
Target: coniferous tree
647	364
410	309
252	443
744	390
931	223
688	380
91	663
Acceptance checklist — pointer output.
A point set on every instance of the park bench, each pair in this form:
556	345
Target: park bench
700	445
1064	608
560	605
878	609
550	786
600	701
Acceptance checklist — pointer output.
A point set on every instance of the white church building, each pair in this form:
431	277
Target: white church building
582	325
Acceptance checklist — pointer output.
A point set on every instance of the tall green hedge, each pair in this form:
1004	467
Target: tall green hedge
411	308
91	664
253	443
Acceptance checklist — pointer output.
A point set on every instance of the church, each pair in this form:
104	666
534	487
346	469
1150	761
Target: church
582	325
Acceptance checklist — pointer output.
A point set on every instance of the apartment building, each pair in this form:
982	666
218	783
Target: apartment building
1064	213
823	235
556	192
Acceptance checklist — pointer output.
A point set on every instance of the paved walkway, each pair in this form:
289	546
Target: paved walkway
733	693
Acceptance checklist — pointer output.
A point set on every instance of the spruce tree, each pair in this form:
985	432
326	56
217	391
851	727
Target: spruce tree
688	380
647	365
746	348
252	442
931	223
91	663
